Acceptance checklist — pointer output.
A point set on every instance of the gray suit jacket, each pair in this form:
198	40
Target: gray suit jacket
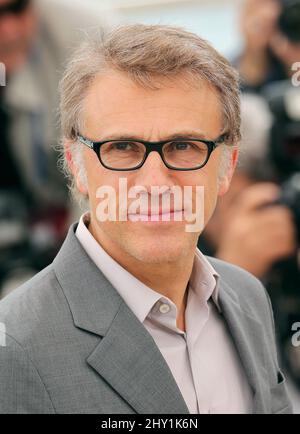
73	346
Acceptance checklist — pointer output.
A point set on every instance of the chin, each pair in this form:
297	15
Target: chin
157	251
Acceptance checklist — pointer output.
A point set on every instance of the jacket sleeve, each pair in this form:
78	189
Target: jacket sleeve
21	388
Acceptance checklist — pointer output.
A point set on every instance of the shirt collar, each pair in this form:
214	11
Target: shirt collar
139	297
205	279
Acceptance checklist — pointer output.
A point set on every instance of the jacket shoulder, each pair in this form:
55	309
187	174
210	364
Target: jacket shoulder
33	310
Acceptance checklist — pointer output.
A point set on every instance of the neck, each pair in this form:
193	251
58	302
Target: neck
168	279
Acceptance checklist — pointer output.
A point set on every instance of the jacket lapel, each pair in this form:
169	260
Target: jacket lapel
248	336
126	356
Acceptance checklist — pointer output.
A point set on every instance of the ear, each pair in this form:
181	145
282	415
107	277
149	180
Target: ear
73	167
226	179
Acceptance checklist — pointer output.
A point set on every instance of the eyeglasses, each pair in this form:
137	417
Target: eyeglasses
129	154
16	7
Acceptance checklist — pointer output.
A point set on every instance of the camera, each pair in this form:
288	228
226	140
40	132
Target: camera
283	283
284	143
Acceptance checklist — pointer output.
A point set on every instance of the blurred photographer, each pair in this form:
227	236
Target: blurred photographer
36	37
271	32
246	229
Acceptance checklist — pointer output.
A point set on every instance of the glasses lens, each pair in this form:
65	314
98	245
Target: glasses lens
185	154
122	154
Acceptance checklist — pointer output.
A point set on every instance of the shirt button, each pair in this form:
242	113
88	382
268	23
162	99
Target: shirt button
164	308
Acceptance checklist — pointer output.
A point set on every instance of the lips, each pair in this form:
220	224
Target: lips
162	215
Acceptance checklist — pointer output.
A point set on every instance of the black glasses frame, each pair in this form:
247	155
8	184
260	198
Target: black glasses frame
153	147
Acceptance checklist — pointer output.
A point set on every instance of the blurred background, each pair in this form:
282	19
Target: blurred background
256	225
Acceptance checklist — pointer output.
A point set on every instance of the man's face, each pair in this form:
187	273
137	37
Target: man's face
17	30
117	107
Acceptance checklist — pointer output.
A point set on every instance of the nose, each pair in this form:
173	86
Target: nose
153	172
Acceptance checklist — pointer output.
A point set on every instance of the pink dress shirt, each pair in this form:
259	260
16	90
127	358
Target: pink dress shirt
203	359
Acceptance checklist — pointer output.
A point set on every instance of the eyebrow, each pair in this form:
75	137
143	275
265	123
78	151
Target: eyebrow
188	134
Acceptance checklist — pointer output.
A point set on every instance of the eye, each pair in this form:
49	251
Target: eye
179	146
123	146
188	147
183	146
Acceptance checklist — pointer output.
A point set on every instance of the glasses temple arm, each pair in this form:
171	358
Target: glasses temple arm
85	141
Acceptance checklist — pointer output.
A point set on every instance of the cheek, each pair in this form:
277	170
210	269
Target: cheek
210	201
94	170
208	179
95	179
211	193
98	176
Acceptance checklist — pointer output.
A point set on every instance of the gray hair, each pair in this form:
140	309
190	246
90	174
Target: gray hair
145	53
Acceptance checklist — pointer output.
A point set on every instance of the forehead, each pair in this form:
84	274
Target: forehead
114	102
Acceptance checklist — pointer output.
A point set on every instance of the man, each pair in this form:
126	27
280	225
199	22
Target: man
131	317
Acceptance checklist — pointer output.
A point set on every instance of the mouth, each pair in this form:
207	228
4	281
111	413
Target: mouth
161	216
